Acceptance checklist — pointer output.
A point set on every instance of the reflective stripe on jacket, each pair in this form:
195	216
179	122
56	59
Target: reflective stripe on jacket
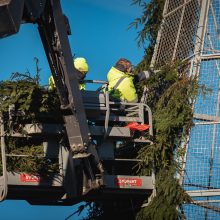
51	83
125	91
82	86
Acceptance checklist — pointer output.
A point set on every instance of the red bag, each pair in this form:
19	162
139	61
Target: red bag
134	126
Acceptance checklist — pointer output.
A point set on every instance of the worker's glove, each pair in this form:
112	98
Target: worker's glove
144	75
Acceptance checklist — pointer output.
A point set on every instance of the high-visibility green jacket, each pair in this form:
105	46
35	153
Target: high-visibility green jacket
82	86
125	91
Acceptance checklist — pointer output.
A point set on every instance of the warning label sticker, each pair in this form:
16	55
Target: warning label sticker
123	182
27	178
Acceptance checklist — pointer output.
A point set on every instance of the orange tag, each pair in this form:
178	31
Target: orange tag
134	126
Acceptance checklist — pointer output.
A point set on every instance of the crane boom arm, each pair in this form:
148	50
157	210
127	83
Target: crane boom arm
53	31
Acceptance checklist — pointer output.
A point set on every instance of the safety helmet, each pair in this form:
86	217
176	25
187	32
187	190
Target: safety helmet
80	64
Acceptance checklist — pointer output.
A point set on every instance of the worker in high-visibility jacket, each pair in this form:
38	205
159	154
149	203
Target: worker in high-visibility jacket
81	67
121	86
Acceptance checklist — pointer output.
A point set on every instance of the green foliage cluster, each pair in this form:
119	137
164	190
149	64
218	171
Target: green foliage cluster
169	197
170	98
172	119
24	101
28	99
31	160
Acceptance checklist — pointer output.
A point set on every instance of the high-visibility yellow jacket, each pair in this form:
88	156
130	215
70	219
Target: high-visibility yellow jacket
82	86
125	91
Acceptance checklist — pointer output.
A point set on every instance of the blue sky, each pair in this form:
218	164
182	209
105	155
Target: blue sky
99	33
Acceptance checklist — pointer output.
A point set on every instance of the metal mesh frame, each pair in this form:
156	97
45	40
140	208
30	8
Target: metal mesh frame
177	34
202	210
202	170
191	28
